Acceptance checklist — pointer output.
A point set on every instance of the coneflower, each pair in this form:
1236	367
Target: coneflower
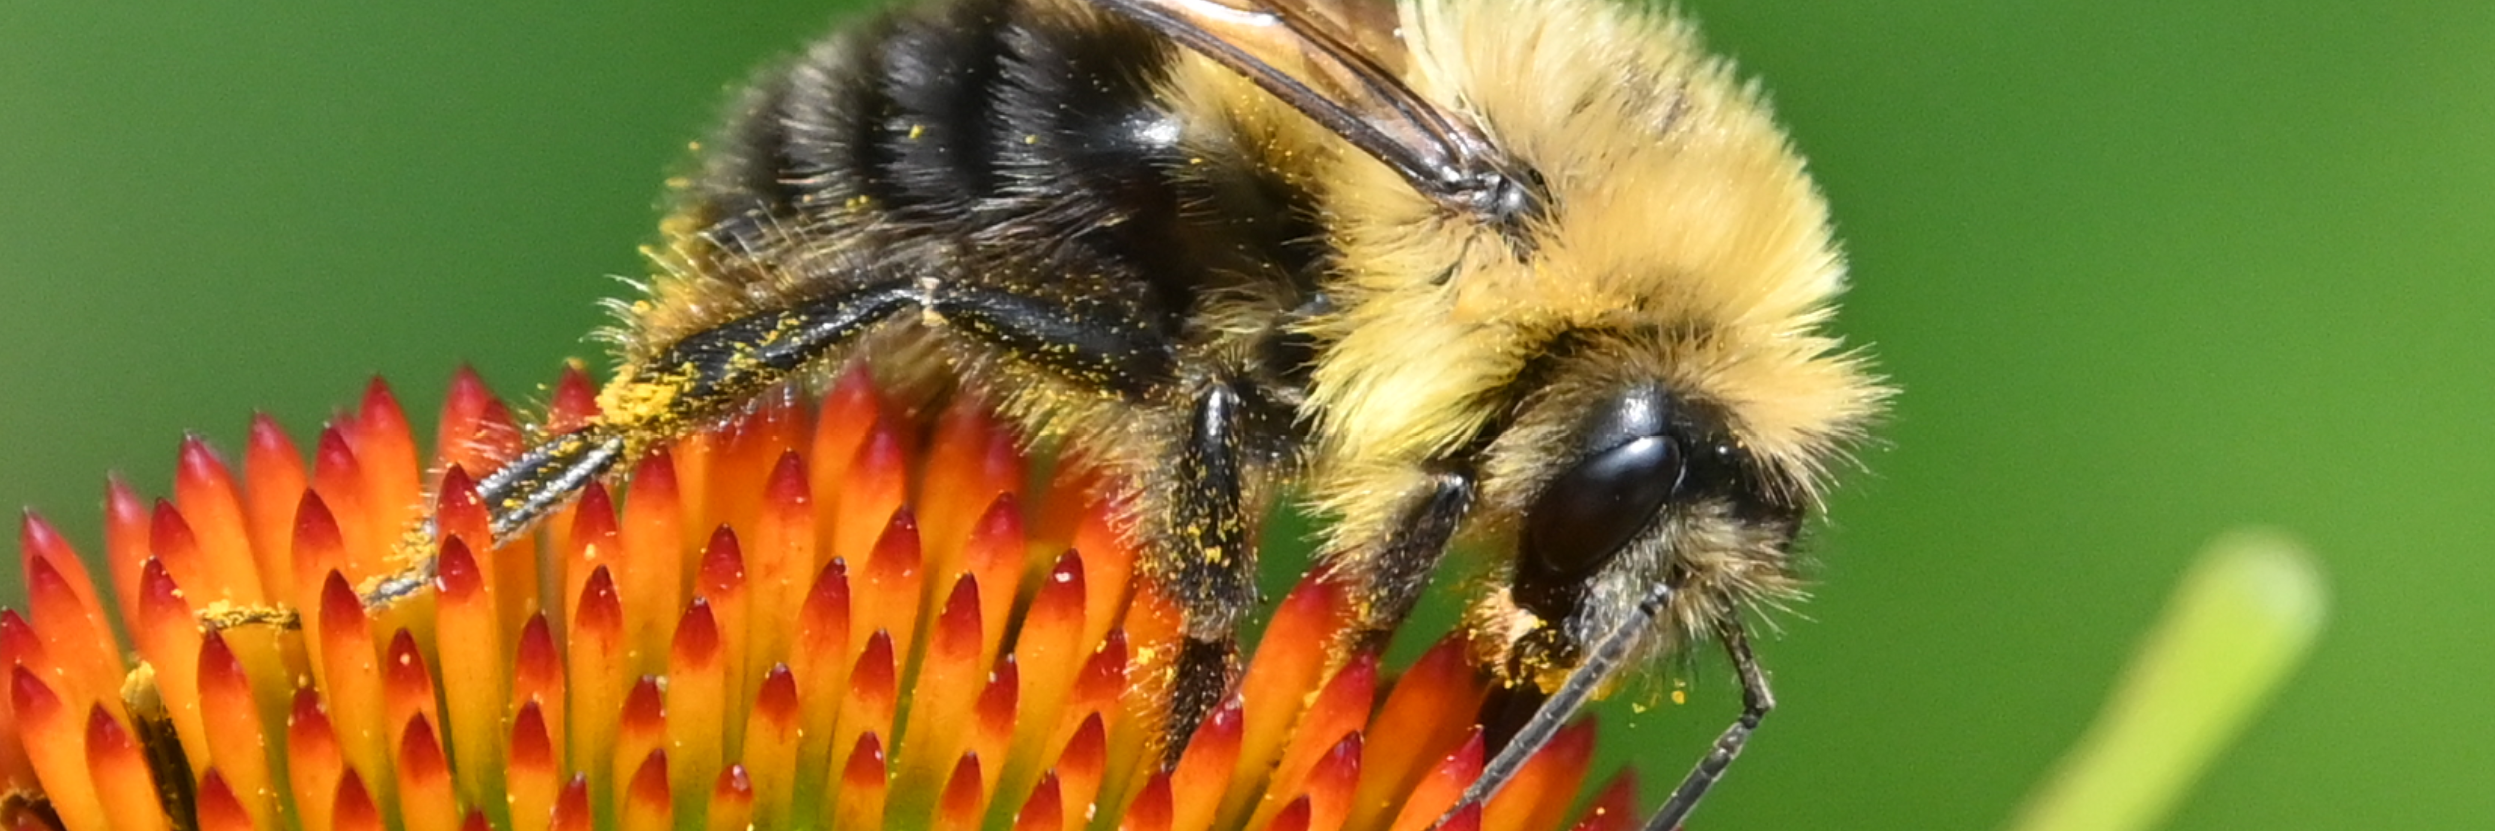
827	614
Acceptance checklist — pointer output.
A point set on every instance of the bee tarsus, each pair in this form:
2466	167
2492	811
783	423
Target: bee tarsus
1550	713
1553	711
1756	701
1200	679
545	476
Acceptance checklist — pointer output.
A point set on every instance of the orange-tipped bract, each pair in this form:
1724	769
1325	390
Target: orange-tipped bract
808	618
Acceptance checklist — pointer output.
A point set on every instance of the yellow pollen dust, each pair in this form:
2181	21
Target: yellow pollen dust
636	402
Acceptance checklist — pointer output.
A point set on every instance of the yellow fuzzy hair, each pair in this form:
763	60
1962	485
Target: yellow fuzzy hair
1676	206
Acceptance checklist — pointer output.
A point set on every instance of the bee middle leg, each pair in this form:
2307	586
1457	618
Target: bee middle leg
1198	540
1204	554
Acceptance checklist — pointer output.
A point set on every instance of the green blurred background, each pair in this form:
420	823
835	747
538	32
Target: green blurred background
2144	272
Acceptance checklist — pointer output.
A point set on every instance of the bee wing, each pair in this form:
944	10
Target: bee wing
1295	50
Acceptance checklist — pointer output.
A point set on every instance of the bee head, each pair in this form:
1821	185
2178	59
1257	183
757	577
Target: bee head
1627	342
1613	478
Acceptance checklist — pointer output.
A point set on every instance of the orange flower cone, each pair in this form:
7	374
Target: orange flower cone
831	616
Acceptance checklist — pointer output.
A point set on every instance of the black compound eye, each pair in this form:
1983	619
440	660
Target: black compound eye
1591	512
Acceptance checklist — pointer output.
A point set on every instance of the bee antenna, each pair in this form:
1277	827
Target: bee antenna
1609	654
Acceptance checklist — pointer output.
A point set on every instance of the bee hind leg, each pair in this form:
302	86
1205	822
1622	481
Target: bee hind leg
715	371
516	497
704	374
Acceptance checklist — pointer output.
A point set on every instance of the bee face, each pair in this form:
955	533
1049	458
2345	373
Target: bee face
1611	481
1634	366
1671	217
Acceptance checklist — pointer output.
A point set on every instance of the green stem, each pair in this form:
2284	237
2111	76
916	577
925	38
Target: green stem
2240	623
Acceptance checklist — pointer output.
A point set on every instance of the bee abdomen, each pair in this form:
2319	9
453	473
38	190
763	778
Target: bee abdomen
895	117
1033	141
978	116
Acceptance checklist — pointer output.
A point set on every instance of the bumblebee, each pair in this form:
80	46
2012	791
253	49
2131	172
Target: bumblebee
1540	274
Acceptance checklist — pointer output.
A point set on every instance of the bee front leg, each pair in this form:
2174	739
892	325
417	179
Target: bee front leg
1389	574
1756	701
